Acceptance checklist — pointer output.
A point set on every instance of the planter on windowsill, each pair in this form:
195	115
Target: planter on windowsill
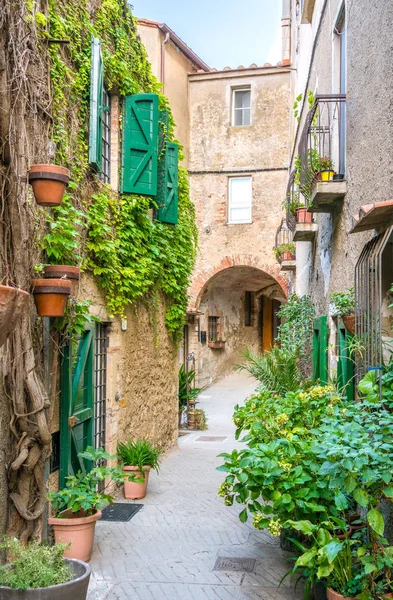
216	344
50	296
66	272
49	183
13	302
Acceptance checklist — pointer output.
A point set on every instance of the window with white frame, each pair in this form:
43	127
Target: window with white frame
240	200
241	107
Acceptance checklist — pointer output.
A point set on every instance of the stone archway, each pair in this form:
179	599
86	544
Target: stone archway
203	277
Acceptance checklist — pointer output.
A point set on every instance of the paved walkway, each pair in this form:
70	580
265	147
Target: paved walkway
169	549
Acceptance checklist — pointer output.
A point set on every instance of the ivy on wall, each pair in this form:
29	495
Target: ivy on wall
130	255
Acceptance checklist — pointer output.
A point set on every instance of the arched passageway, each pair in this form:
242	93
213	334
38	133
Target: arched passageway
235	308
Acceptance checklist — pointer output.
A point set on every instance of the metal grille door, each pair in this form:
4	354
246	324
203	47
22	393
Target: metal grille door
100	368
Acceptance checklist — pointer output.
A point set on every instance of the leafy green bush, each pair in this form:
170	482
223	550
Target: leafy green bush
343	303
296	329
80	495
140	453
33	566
277	370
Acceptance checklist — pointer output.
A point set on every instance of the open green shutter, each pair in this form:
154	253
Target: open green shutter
345	365
76	405
96	95
140	144
320	346
168	192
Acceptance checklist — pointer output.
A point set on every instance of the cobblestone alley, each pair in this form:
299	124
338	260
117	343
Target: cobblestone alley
170	547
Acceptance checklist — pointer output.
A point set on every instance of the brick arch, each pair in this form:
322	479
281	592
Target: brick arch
236	260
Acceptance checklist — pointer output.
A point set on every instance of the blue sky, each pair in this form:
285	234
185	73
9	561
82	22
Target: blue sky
222	32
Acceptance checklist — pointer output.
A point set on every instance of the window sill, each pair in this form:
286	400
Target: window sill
240	222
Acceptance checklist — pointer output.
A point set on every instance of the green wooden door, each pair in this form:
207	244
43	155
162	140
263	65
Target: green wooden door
320	346
76	405
345	365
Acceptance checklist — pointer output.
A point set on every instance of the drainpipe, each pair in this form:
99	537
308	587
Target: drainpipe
164	43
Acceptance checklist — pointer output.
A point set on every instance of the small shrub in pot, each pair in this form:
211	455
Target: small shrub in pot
137	458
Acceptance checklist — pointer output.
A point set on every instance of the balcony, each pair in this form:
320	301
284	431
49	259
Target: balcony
322	155
299	219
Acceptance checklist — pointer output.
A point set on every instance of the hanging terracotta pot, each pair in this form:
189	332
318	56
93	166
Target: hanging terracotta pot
66	272
349	322
51	296
49	183
13	303
303	216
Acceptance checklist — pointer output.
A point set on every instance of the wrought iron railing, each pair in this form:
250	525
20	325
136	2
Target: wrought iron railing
322	143
291	201
284	240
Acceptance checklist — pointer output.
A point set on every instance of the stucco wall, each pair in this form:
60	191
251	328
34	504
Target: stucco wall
217	151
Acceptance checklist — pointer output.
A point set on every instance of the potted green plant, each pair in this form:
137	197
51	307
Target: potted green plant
200	419
137	458
187	394
284	251
77	506
303	215
343	305
39	572
325	168
49	183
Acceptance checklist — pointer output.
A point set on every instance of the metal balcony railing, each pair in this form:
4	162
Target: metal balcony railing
284	235
291	201
322	143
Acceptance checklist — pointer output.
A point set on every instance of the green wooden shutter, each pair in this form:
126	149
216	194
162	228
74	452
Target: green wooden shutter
168	191
140	144
96	99
320	346
76	405
345	365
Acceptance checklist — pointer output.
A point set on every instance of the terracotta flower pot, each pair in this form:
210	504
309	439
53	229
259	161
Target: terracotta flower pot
49	183
63	272
51	296
13	303
132	489
191	419
75	589
303	216
349	322
287	256
79	531
332	595
342	536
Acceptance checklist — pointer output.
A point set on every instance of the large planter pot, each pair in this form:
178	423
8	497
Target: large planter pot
67	272
49	183
303	216
76	589
79	531
349	322
51	296
132	489
332	595
13	303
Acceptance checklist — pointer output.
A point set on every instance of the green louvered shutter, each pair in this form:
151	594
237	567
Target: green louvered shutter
76	405
168	192
96	96
140	144
320	347
345	365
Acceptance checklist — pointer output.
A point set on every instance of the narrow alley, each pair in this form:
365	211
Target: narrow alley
169	549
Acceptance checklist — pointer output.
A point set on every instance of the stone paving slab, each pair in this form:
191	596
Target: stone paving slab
169	548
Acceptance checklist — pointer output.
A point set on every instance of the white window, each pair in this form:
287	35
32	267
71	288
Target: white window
241	107
240	200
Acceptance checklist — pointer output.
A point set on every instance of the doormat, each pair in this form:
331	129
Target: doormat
120	512
234	564
210	438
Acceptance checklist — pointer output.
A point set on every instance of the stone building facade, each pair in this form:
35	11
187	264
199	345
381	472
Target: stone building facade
238	172
345	49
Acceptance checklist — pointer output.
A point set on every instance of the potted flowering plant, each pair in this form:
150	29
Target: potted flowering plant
325	168
284	251
343	305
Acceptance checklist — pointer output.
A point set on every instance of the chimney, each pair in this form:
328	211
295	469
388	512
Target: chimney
286	32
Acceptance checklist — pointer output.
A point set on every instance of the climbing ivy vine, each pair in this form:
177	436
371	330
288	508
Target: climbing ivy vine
132	256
